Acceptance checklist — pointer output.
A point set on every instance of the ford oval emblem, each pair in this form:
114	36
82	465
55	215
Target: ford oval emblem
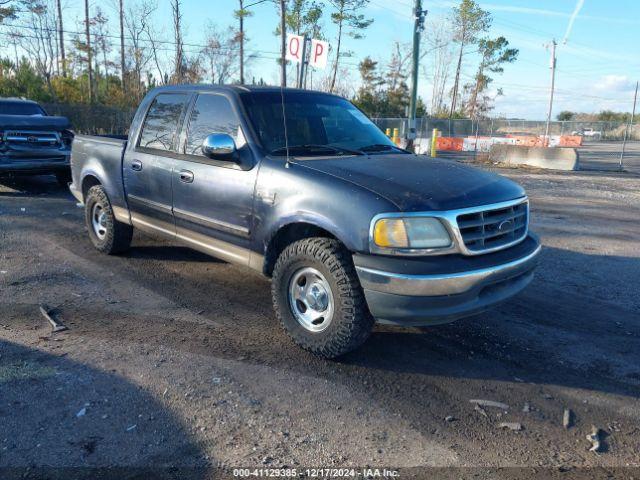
505	225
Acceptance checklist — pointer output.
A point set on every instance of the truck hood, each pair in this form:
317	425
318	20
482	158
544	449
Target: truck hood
33	122
418	183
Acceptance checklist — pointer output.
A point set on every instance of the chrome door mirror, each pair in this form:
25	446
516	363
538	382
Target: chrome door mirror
219	146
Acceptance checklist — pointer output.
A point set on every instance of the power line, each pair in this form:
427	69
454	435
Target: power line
127	37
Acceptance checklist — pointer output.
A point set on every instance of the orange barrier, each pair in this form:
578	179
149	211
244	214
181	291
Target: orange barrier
483	143
528	141
570	141
449	143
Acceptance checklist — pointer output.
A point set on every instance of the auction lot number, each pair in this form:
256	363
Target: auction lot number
316	472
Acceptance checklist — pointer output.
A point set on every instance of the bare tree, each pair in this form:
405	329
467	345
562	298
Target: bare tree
438	53
40	43
137	20
122	62
219	54
101	41
88	43
397	67
63	57
179	63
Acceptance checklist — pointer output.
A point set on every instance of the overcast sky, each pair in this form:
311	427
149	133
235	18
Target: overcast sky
597	66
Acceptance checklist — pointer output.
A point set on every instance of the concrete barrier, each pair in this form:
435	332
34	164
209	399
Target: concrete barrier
552	157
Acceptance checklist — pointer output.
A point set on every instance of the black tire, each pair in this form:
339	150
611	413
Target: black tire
117	235
63	178
351	322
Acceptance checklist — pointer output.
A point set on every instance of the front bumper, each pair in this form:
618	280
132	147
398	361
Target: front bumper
400	291
35	163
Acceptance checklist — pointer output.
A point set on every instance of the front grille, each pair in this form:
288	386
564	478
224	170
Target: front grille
27	138
494	228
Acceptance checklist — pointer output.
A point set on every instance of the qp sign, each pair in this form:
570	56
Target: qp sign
295	47
319	53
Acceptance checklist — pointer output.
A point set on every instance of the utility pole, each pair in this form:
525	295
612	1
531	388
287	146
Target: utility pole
417	29
63	58
122	65
630	124
283	43
241	19
304	62
88	34
553	82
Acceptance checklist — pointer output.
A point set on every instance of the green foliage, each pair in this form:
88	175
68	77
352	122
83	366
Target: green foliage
23	82
565	115
304	16
383	95
469	20
493	55
7	11
611	116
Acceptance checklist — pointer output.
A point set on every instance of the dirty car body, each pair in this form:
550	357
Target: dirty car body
429	240
32	142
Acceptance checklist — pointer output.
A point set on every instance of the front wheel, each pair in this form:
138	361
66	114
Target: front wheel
318	299
106	233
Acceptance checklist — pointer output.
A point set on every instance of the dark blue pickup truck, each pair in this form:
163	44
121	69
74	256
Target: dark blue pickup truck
33	142
302	187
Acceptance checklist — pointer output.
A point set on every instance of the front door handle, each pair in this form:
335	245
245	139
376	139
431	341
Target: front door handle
136	165
186	176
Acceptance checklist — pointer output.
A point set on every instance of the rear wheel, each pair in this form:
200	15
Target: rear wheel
318	299
106	233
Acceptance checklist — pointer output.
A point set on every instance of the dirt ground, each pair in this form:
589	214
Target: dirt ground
174	363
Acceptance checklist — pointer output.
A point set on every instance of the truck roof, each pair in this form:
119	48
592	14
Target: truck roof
232	88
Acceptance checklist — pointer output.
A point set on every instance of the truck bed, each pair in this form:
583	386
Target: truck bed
96	154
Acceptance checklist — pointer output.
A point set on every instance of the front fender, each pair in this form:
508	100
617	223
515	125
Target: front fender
296	194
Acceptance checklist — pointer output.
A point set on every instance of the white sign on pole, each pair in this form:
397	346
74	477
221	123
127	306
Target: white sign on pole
319	53
295	46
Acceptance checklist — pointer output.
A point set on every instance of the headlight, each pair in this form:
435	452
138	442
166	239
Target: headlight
410	233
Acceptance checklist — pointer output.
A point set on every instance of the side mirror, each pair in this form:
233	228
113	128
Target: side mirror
219	146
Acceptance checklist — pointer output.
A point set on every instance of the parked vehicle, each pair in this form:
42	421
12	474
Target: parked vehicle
32	142
589	133
350	228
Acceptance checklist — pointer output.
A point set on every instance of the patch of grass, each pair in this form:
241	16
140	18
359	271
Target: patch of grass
24	371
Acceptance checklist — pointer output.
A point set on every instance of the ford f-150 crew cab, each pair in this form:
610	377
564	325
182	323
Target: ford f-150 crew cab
302	187
32	142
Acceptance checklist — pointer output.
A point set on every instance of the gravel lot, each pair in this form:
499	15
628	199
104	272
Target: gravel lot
173	361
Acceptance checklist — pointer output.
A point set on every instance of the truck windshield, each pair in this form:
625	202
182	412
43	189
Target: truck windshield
317	125
20	108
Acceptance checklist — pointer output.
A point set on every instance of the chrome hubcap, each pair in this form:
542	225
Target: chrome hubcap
311	299
99	221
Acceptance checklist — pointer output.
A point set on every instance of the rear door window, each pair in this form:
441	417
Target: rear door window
211	114
161	123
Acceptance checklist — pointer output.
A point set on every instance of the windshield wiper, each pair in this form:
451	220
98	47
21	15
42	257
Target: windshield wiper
312	148
381	147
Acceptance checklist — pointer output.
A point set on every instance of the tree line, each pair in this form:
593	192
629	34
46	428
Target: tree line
50	59
602	116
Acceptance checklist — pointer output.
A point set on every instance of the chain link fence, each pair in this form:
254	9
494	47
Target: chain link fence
94	119
489	127
603	143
